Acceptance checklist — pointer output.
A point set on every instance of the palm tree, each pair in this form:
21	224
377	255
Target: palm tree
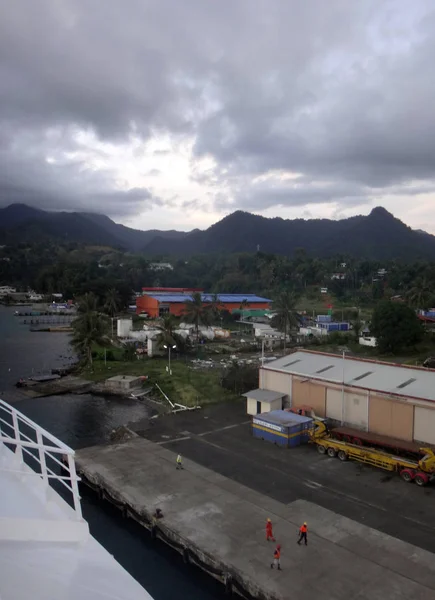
90	328
216	307
197	312
167	333
286	316
112	302
421	295
87	303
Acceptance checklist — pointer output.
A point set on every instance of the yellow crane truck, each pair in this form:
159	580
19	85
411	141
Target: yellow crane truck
418	466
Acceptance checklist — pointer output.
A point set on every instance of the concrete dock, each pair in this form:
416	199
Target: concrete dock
220	524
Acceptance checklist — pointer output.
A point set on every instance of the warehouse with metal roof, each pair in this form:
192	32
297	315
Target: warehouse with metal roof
156	302
384	398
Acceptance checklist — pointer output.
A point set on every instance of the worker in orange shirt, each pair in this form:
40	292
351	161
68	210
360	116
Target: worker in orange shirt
269	531
303	530
276	558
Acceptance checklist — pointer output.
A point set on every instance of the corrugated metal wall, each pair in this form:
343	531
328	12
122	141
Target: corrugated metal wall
355	412
311	394
388	417
424	425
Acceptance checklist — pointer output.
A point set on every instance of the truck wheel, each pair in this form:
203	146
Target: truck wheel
407	475
332	453
421	479
321	449
342	455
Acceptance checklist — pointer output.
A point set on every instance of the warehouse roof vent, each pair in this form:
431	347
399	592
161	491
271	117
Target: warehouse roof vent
362	376
292	363
407	382
325	369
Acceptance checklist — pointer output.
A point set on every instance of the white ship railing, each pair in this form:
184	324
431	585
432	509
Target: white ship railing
41	448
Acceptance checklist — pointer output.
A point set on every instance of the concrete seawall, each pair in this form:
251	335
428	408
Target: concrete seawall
220	525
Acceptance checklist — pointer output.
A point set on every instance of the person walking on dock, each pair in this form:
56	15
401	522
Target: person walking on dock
303	530
179	462
276	558
269	531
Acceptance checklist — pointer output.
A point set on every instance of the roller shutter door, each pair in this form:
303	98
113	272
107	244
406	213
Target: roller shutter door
356	410
387	417
333	404
424	425
317	398
310	394
300	392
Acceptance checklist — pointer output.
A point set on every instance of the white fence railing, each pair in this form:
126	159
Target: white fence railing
40	448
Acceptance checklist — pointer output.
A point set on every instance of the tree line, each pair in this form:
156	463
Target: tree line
73	270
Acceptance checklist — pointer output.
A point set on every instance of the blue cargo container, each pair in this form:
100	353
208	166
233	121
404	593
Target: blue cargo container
324	318
334	326
282	428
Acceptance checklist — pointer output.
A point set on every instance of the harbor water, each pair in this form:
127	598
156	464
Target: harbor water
84	420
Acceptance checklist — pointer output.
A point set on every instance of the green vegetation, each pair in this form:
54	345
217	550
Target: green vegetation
285	318
186	385
395	326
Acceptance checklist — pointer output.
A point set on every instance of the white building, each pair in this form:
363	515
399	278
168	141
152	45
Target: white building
6	290
367	340
161	266
262	401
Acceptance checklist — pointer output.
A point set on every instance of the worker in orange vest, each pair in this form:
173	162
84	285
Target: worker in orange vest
276	558
303	530
269	532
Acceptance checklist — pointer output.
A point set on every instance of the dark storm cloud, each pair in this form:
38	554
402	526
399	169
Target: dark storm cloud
339	92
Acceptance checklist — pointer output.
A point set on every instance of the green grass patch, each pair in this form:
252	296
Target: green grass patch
186	386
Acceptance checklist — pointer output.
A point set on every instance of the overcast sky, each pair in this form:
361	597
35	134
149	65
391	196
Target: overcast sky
174	113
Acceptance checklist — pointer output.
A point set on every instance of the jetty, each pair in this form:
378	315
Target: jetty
219	525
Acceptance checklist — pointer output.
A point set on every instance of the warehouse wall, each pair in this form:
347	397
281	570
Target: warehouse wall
349	408
360	409
309	393
424	425
277	382
356	410
334	399
392	418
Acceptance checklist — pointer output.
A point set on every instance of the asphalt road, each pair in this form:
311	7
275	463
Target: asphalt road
219	437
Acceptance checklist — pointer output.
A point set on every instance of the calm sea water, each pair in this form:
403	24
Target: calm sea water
83	421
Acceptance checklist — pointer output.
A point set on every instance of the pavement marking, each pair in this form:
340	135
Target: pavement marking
172	440
222	428
325	488
313	484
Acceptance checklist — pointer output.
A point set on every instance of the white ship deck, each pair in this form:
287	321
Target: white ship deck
46	550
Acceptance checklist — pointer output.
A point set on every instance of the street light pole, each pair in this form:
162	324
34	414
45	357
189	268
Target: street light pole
168	347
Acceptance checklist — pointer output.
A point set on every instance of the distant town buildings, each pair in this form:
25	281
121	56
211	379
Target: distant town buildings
159	301
161	266
7	290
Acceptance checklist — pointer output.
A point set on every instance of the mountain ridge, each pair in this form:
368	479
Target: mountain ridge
378	235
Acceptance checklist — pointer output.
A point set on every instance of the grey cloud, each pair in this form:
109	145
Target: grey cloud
286	193
27	177
340	92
